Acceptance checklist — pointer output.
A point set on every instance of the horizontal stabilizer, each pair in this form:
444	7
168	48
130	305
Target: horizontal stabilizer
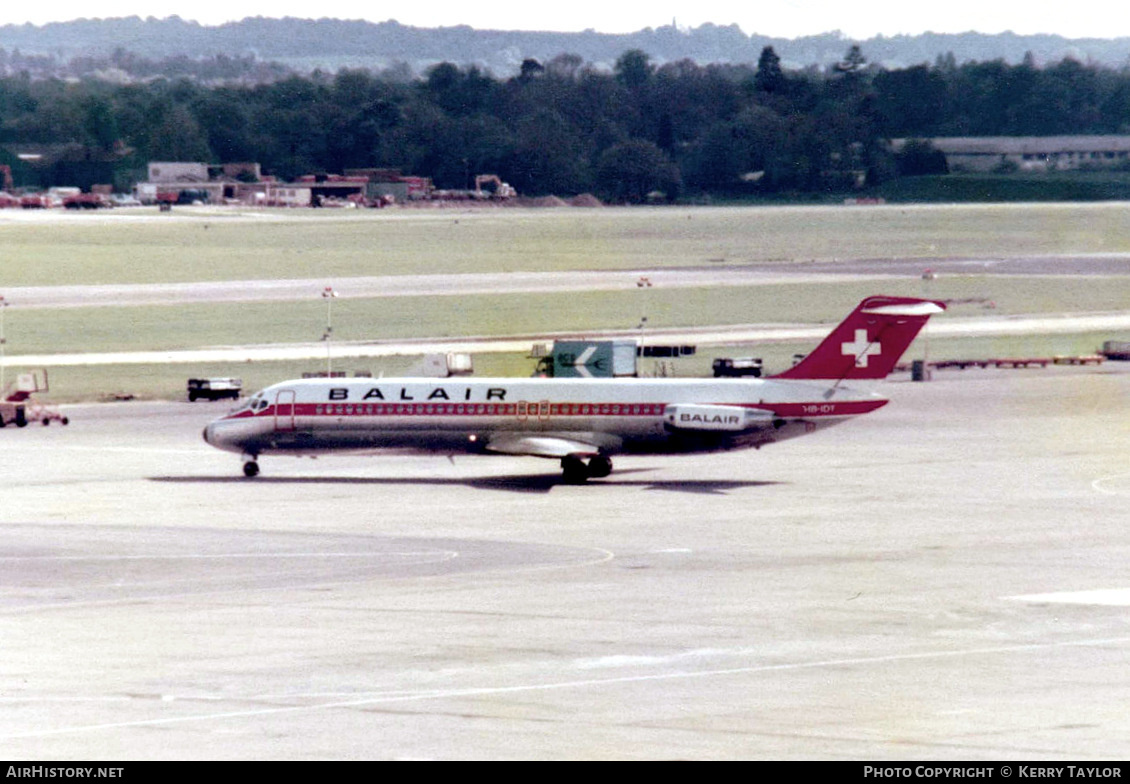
920	308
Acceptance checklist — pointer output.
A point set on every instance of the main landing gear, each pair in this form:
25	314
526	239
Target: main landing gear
577	471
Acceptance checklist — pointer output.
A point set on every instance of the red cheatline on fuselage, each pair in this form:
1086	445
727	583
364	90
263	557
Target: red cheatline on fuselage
838	408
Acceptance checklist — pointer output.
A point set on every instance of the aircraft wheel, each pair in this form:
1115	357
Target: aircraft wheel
250	469
574	469
600	467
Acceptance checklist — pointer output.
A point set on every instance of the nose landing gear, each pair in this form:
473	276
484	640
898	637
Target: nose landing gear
250	466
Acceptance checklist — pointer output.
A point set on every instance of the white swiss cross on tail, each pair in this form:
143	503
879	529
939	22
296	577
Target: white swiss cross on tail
861	348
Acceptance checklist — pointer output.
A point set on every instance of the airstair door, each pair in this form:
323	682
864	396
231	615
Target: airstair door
284	411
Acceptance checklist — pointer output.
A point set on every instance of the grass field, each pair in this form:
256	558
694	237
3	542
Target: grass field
196	244
206	244
78	330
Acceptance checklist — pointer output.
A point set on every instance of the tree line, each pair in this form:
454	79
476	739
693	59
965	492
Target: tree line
565	127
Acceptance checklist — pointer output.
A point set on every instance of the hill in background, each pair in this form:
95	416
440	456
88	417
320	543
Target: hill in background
331	44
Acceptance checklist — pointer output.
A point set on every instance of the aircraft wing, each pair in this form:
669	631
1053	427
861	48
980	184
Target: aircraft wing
540	446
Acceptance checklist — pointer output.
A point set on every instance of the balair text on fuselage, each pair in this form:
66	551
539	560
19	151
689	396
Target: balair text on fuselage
337	394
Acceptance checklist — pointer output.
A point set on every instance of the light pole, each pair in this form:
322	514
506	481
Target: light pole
328	295
643	284
3	361
927	276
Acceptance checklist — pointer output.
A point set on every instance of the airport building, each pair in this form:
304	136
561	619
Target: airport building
245	183
1030	153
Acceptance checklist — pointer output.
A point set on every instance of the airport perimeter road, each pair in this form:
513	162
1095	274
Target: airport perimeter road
943	579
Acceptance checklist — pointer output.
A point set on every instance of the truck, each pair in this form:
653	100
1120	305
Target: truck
213	388
589	359
87	201
731	367
35	201
13	413
1116	349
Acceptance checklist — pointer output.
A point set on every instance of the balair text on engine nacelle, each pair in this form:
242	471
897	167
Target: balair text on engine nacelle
730	419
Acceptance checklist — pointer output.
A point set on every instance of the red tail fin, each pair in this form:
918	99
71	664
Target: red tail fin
869	341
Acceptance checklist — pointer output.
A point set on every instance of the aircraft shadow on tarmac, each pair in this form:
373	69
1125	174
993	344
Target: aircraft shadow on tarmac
523	483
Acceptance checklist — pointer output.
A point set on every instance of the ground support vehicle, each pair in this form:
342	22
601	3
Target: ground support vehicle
213	388
726	367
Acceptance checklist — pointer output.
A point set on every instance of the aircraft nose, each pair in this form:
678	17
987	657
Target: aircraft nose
222	435
211	434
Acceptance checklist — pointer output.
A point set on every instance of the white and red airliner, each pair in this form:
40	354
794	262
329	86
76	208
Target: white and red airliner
581	422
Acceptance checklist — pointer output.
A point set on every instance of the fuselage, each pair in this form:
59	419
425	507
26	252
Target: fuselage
313	416
581	421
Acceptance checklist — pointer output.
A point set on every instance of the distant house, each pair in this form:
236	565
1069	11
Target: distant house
216	184
391	184
1029	153
172	180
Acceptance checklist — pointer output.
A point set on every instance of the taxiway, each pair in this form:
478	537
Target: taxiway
943	579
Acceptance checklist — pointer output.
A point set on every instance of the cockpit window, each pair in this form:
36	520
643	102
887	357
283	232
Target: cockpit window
254	403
